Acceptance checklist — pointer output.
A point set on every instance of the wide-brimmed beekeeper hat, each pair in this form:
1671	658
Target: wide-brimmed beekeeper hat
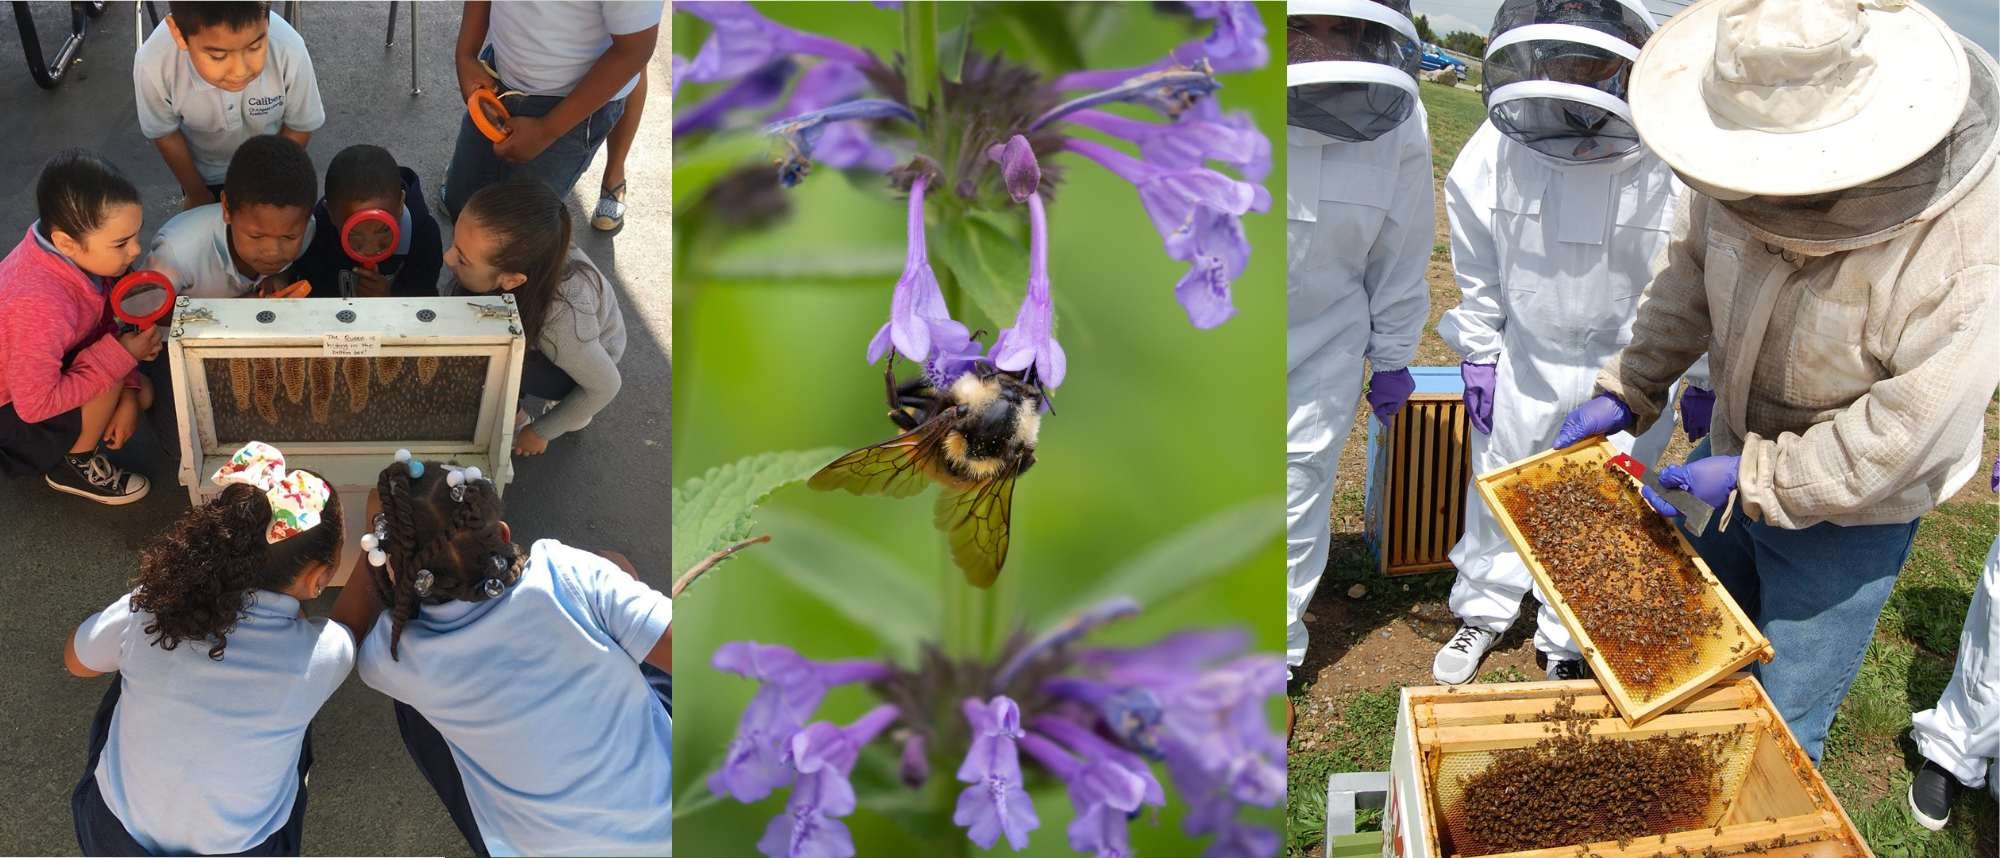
1795	97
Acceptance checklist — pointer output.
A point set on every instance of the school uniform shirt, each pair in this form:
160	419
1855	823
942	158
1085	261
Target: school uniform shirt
173	97
49	308
203	755
545	48
192	249
563	747
412	269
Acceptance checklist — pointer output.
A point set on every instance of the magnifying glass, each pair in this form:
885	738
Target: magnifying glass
489	115
141	298
371	236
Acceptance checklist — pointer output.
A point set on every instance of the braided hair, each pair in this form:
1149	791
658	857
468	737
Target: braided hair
458	541
196	578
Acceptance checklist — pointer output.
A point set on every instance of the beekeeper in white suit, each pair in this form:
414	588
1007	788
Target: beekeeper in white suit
1839	264
1557	214
1959	738
1361	220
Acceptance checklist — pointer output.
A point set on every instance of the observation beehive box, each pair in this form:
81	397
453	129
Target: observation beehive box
341	385
1650	618
1758	795
1418	470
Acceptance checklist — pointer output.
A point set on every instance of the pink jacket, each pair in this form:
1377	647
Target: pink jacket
47	308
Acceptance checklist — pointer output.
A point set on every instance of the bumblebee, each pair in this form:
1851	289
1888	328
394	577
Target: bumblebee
973	438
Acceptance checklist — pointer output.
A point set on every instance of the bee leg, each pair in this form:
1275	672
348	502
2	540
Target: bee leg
889	382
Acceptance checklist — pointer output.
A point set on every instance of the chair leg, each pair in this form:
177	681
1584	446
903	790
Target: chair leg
414	89
389	39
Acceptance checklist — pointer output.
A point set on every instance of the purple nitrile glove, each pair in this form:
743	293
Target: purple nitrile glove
1697	405
1479	381
1602	415
1387	391
1710	480
1996	474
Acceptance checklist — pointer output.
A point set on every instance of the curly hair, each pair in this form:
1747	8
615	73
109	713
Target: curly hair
459	542
197	578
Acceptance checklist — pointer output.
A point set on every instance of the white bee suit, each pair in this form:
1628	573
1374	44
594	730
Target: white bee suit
1551	257
1361	223
1963	733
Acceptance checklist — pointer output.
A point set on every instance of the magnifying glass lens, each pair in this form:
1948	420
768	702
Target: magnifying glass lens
369	238
142	300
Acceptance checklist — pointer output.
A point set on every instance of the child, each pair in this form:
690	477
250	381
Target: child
248	243
576	63
67	384
540	669
365	177
203	744
214	75
515	237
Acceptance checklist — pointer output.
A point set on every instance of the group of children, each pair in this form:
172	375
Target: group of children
531	684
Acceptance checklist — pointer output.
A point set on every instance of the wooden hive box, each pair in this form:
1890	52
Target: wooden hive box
341	385
1737	643
1766	787
1418	471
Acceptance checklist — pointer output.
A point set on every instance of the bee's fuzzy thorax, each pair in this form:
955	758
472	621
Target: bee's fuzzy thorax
1028	422
974	392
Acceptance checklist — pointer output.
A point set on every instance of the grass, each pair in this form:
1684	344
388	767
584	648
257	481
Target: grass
1869	755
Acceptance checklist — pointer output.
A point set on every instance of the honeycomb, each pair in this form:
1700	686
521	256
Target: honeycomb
440	402
1645	608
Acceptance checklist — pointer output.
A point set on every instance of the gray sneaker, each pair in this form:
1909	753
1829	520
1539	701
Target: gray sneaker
1459	658
95	478
610	213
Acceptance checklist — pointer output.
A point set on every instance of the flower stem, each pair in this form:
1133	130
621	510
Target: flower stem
920	41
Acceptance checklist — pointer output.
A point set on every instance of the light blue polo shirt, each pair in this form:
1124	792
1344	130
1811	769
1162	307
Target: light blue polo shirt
192	249
563	748
173	97
203	756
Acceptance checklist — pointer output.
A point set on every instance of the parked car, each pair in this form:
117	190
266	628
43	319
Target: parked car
1435	58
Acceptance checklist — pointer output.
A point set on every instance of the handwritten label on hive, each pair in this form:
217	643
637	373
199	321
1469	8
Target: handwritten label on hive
351	345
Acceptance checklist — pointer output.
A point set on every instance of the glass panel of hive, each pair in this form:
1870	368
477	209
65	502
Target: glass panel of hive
384	398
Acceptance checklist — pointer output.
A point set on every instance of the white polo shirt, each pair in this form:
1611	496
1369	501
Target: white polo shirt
203	756
192	249
172	97
545	48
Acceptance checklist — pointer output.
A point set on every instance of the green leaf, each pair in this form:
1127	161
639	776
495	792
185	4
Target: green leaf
854	578
1195	554
879	266
715	510
1044	30
961	18
989	263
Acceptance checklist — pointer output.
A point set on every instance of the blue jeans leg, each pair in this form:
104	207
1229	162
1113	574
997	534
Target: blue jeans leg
1816	593
474	166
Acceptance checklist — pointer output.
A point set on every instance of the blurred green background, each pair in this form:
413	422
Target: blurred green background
1159	474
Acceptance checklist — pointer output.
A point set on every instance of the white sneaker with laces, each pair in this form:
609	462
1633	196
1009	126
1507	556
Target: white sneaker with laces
1459	659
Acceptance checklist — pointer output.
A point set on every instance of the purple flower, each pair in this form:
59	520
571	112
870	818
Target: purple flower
915	767
792	687
995	804
1031	341
1064	633
920	326
1198	136
1132	713
1103	792
801	133
842	146
1091	746
744	40
1019	170
1215	737
1216	252
823	754
1170	91
1236	840
1236	44
756	89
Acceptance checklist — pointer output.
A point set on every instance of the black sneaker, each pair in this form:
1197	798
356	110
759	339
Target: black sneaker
1564	669
95	478
1931	795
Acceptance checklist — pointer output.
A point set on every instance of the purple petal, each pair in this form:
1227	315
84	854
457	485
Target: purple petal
1018	168
1236	840
995	726
743	40
756	89
1101	831
1236	44
993	808
1031	340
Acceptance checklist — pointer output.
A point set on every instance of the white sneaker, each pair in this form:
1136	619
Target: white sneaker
1459	658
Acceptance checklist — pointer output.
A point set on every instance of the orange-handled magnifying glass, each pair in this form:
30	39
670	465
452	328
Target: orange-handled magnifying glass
370	236
488	114
142	298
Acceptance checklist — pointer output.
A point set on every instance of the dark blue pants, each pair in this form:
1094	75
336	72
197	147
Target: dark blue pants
474	166
98	831
433	757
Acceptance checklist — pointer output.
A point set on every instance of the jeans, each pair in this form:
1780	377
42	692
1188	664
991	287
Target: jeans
474	166
1816	593
433	757
98	831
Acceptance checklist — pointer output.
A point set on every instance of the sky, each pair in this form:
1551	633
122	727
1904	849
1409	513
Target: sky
1975	19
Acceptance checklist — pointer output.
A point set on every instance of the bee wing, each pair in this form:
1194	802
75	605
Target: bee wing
978	519
897	467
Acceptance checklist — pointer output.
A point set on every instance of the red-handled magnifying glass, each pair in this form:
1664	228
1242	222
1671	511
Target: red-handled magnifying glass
488	114
142	298
370	236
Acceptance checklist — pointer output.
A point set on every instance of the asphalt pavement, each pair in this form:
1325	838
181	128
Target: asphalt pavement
62	558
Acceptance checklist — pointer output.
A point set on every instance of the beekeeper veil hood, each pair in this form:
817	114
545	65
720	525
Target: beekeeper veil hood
1877	210
1351	70
1557	72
